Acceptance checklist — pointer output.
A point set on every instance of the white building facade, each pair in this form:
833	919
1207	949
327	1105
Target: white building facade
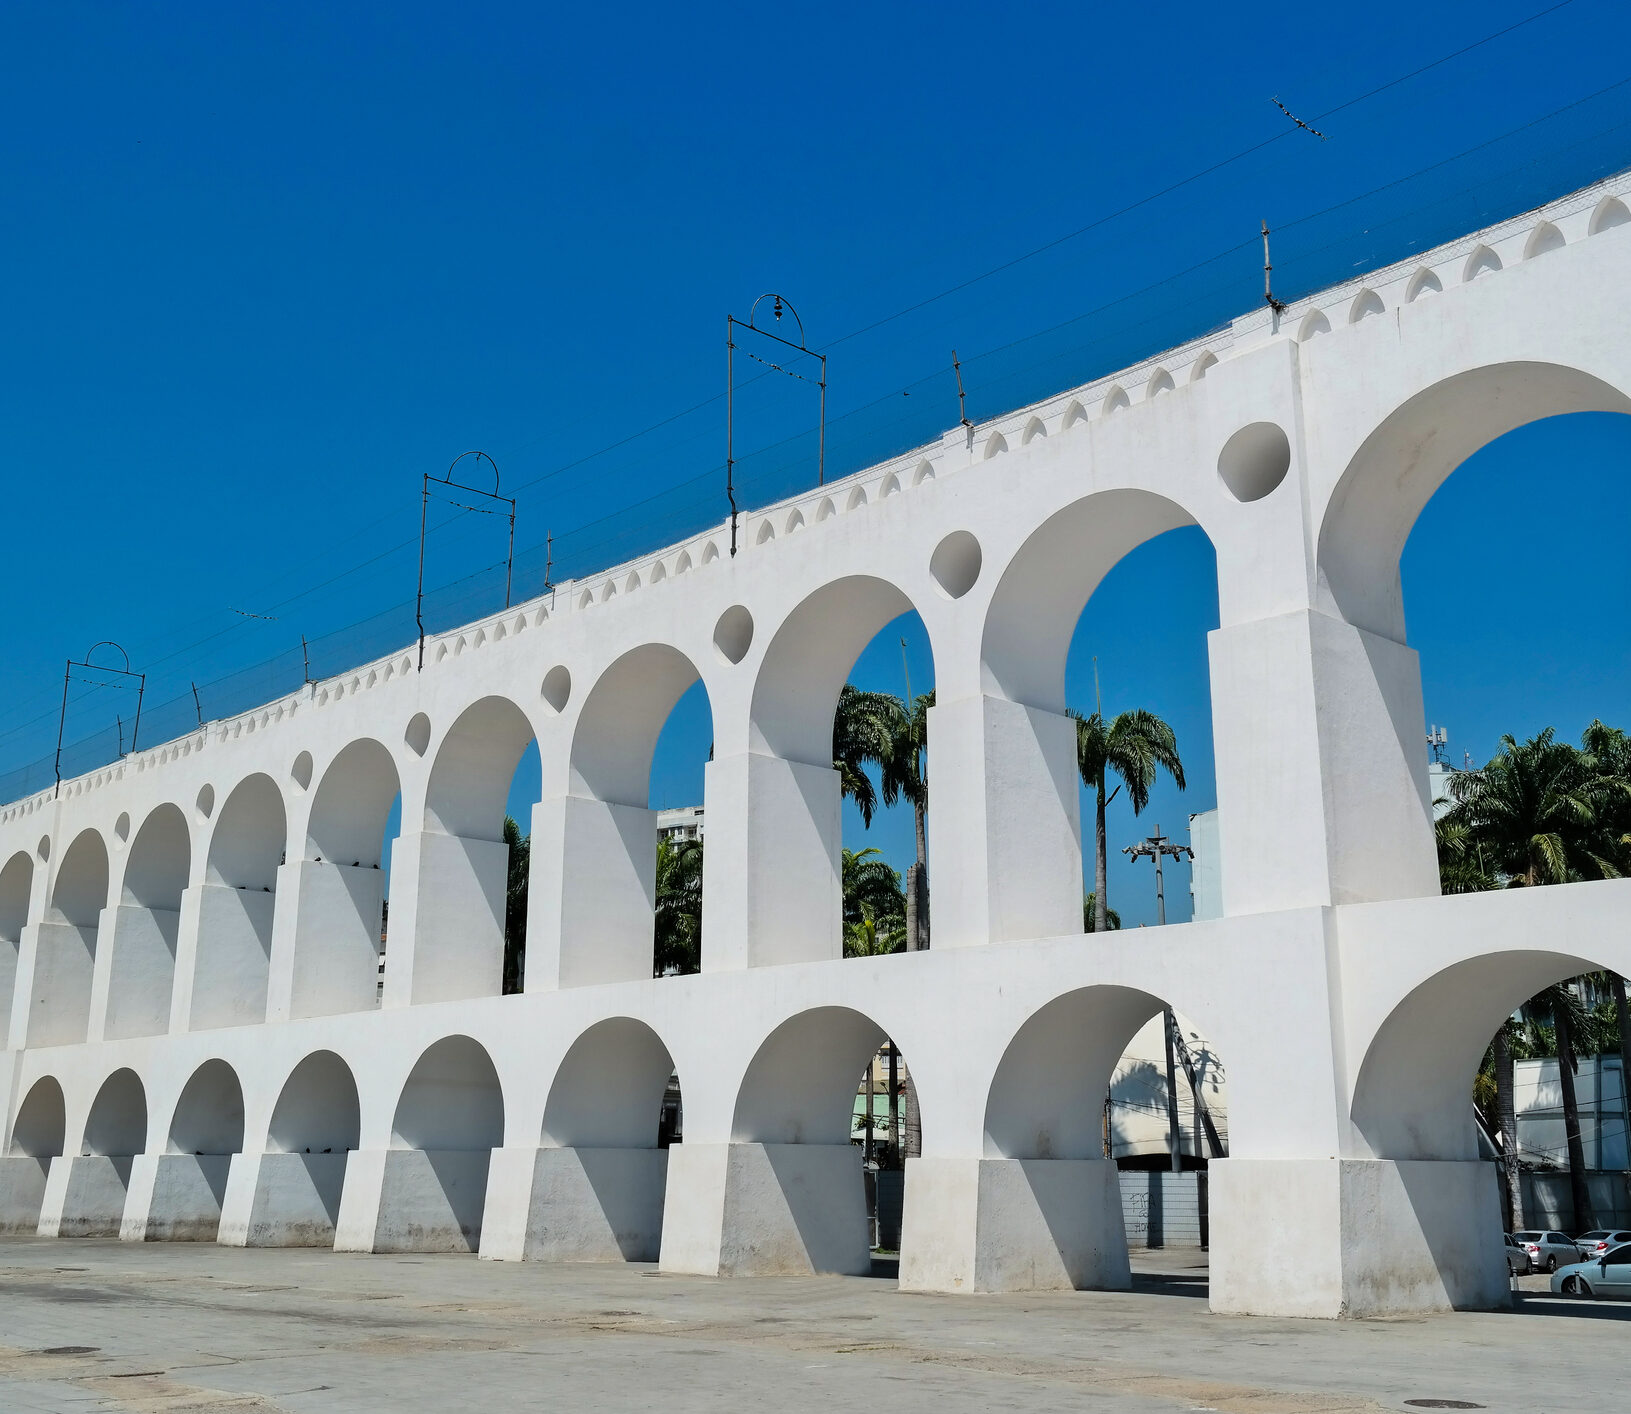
189	939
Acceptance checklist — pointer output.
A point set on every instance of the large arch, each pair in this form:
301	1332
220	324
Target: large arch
448	1121
142	968
16	890
342	884
93	1203
460	861
37	1138
209	1116
316	1124
236	906
593	915
65	960
190	1177
1410	455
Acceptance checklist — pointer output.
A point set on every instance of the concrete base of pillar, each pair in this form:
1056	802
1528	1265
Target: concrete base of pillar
765	1210
1355	1237
1012	1225
85	1196
175	1197
575	1205
22	1194
282	1200
413	1200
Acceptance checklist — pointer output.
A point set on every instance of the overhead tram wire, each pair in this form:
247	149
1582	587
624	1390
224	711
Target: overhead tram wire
963	285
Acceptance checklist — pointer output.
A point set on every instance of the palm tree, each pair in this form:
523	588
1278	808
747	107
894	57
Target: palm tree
1559	1004
905	776
1090	914
677	940
515	906
863	732
1136	746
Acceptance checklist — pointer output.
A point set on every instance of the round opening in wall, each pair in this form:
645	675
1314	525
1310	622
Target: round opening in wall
418	734
206	802
300	772
557	688
121	827
733	634
43	848
1255	460
955	564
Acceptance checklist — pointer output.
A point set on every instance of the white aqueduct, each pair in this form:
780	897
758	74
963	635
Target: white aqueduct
190	936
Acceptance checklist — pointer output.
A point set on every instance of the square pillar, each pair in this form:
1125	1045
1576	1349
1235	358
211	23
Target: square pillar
765	1210
591	893
226	983
282	1200
1321	765
326	940
413	1200
1355	1237
772	872
974	1225
135	984
575	1205
445	939
58	1000
22	1193
175	1197
1005	831
85	1196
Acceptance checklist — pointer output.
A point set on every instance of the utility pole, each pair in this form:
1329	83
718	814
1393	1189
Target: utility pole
1156	847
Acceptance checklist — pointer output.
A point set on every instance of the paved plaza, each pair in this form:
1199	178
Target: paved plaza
95	1325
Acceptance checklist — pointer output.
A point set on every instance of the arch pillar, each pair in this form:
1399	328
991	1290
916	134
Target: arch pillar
445	939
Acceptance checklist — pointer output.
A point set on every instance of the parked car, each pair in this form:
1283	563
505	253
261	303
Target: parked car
1608	1275
1517	1258
1548	1250
1603	1239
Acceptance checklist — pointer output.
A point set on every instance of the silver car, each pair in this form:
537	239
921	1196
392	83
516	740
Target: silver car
1517	1258
1608	1275
1604	1239
1548	1250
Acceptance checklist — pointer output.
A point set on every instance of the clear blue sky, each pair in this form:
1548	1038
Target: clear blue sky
264	267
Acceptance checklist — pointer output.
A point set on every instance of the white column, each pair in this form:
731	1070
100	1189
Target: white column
591	893
1321	765
445	938
136	980
1005	840
229	936
771	874
59	983
325	939
575	1205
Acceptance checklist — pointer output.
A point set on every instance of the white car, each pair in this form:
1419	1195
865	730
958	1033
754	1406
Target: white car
1608	1275
1593	1244
1548	1250
1517	1258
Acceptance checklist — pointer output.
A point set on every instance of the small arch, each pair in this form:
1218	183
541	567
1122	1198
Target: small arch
417	736
608	591
710	552
1423	282
1204	364
1314	322
301	771
659	573
857	499
955	564
682	564
1033	429
995	445
733	634
1160	382
794	522
924	472
1543	238
1610	212
117	1124
41	1127
891	485
586	598
1115	401
1073	414
767	533
826	510
557	687
1366	303
632	582
209	1116
1482	261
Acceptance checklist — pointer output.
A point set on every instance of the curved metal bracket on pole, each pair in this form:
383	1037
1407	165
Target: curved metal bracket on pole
424	508
90	667
732	324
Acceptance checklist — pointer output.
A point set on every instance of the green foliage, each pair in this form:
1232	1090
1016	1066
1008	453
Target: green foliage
874	905
678	942
1089	912
515	906
863	733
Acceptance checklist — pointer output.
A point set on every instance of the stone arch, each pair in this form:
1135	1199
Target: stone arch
1482	261
608	1090
1048	582
924	472
209	1115
1423	282
1314	322
1115	400
710	553
65	959
1610	212
659	572
1073	414
1202	366
93	1203
342	894
38	1135
1543	238
448	1121
766	533
1410	455
247	848
995	445
632	582
316	1124
463	862
1366	303
826	510
1160	382
683	563
794	522
890	485
147	923
16	892
857	499
597	918
116	1126
1033	429
317	1109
